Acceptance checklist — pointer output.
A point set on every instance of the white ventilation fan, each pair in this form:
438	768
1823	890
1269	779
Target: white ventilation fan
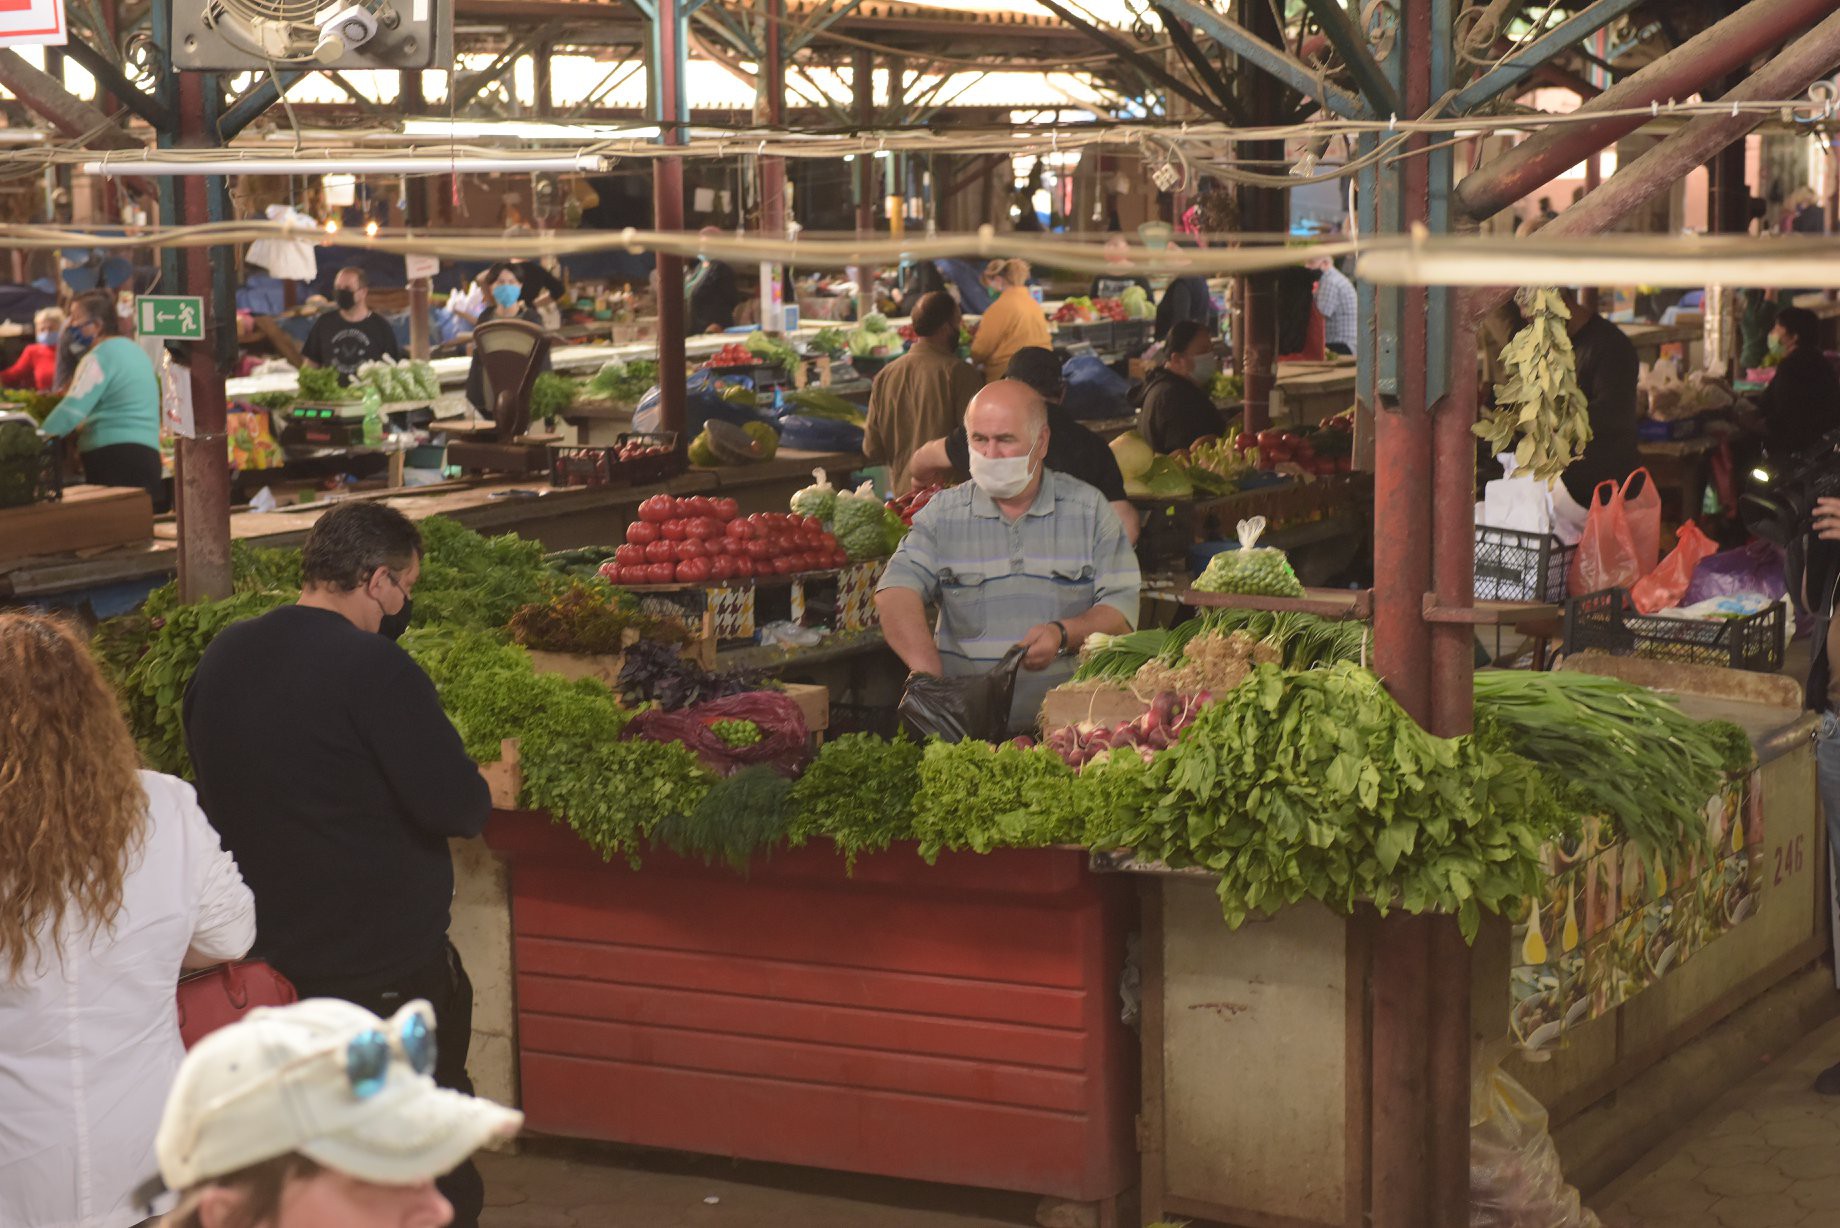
342	34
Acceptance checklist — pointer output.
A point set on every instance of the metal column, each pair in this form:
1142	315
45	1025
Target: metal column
1262	213
201	464
1418	1093
667	53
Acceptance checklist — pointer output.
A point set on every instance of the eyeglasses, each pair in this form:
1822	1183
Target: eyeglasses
367	1055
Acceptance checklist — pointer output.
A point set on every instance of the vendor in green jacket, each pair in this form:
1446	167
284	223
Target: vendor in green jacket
113	404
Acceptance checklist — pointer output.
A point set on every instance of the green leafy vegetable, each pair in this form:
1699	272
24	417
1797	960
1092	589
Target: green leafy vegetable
1617	750
739	816
859	792
1317	785
977	796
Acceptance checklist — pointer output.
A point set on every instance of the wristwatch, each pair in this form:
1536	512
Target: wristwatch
1060	626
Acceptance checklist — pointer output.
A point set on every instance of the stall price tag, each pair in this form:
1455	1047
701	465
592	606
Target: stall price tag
176	317
32	23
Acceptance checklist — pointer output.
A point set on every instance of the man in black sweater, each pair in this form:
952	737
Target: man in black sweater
1608	374
338	798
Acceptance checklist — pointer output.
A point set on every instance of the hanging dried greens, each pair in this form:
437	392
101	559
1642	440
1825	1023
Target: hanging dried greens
1541	401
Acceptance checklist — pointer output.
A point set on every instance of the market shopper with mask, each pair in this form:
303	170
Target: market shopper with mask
340	817
511	299
37	365
351	335
112	406
1801	403
1018	555
1173	405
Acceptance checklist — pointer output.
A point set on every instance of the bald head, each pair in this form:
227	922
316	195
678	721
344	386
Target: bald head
1006	418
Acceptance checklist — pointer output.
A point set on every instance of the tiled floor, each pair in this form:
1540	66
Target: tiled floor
1765	1156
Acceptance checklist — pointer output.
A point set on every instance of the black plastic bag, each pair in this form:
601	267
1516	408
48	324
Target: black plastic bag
972	706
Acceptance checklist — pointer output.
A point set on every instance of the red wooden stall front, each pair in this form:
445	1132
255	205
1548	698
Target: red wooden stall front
957	1022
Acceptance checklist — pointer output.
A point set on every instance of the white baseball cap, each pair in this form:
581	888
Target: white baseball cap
331	1081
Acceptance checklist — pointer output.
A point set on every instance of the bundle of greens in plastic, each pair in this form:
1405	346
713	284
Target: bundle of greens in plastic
1252	570
864	525
819	499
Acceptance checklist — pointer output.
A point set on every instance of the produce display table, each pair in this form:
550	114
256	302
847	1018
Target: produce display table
560	519
1282	1003
956	1023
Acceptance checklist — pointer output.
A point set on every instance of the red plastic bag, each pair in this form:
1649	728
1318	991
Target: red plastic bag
785	743
1622	537
1643	508
1662	588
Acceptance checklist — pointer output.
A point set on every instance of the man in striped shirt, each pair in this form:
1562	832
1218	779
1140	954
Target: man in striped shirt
1338	305
1018	555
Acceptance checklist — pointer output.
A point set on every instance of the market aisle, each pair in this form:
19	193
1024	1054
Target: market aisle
1765	1156
582	1190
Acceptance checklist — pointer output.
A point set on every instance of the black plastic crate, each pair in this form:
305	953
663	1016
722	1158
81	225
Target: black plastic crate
1607	622
1131	335
593	465
1515	566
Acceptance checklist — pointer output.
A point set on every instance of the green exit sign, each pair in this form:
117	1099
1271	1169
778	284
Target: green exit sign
178	317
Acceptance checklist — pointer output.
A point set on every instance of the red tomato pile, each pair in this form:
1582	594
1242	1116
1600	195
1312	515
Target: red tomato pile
632	449
699	540
732	356
1274	448
908	506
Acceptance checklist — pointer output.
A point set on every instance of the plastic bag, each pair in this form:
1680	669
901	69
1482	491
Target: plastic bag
1753	568
1252	569
1523	504
1514	1176
969	707
1094	390
784	745
1665	585
1622	537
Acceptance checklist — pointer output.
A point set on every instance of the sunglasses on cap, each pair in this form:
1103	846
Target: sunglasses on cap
367	1055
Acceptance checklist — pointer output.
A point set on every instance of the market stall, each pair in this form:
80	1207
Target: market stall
1607	972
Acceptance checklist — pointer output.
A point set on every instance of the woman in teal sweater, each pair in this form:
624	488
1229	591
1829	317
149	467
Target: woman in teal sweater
113	405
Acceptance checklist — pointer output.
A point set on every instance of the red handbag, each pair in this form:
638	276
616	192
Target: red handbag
223	993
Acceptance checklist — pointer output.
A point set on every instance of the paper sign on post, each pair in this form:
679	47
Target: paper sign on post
32	23
176	396
416	268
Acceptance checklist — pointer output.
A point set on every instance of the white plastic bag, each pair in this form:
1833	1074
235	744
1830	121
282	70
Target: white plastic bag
1523	504
1514	1176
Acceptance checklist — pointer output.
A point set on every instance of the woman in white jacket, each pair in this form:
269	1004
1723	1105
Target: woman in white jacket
111	883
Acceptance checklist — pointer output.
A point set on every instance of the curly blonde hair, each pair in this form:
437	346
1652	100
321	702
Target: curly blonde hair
72	810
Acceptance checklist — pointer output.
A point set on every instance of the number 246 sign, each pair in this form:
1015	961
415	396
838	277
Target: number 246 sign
24	22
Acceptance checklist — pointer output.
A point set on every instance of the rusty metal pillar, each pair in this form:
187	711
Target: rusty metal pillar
1424	393
201	464
1688	69
862	87
770	104
667	53
410	101
1262	212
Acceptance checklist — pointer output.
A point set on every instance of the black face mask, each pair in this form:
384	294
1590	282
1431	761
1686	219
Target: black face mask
393	625
346	299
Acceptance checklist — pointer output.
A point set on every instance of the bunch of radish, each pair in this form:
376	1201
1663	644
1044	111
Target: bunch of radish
1157	729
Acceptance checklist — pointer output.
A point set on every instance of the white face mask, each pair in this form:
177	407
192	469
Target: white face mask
1003	477
1204	368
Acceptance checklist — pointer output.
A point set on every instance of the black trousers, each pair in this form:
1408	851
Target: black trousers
443	982
127	464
